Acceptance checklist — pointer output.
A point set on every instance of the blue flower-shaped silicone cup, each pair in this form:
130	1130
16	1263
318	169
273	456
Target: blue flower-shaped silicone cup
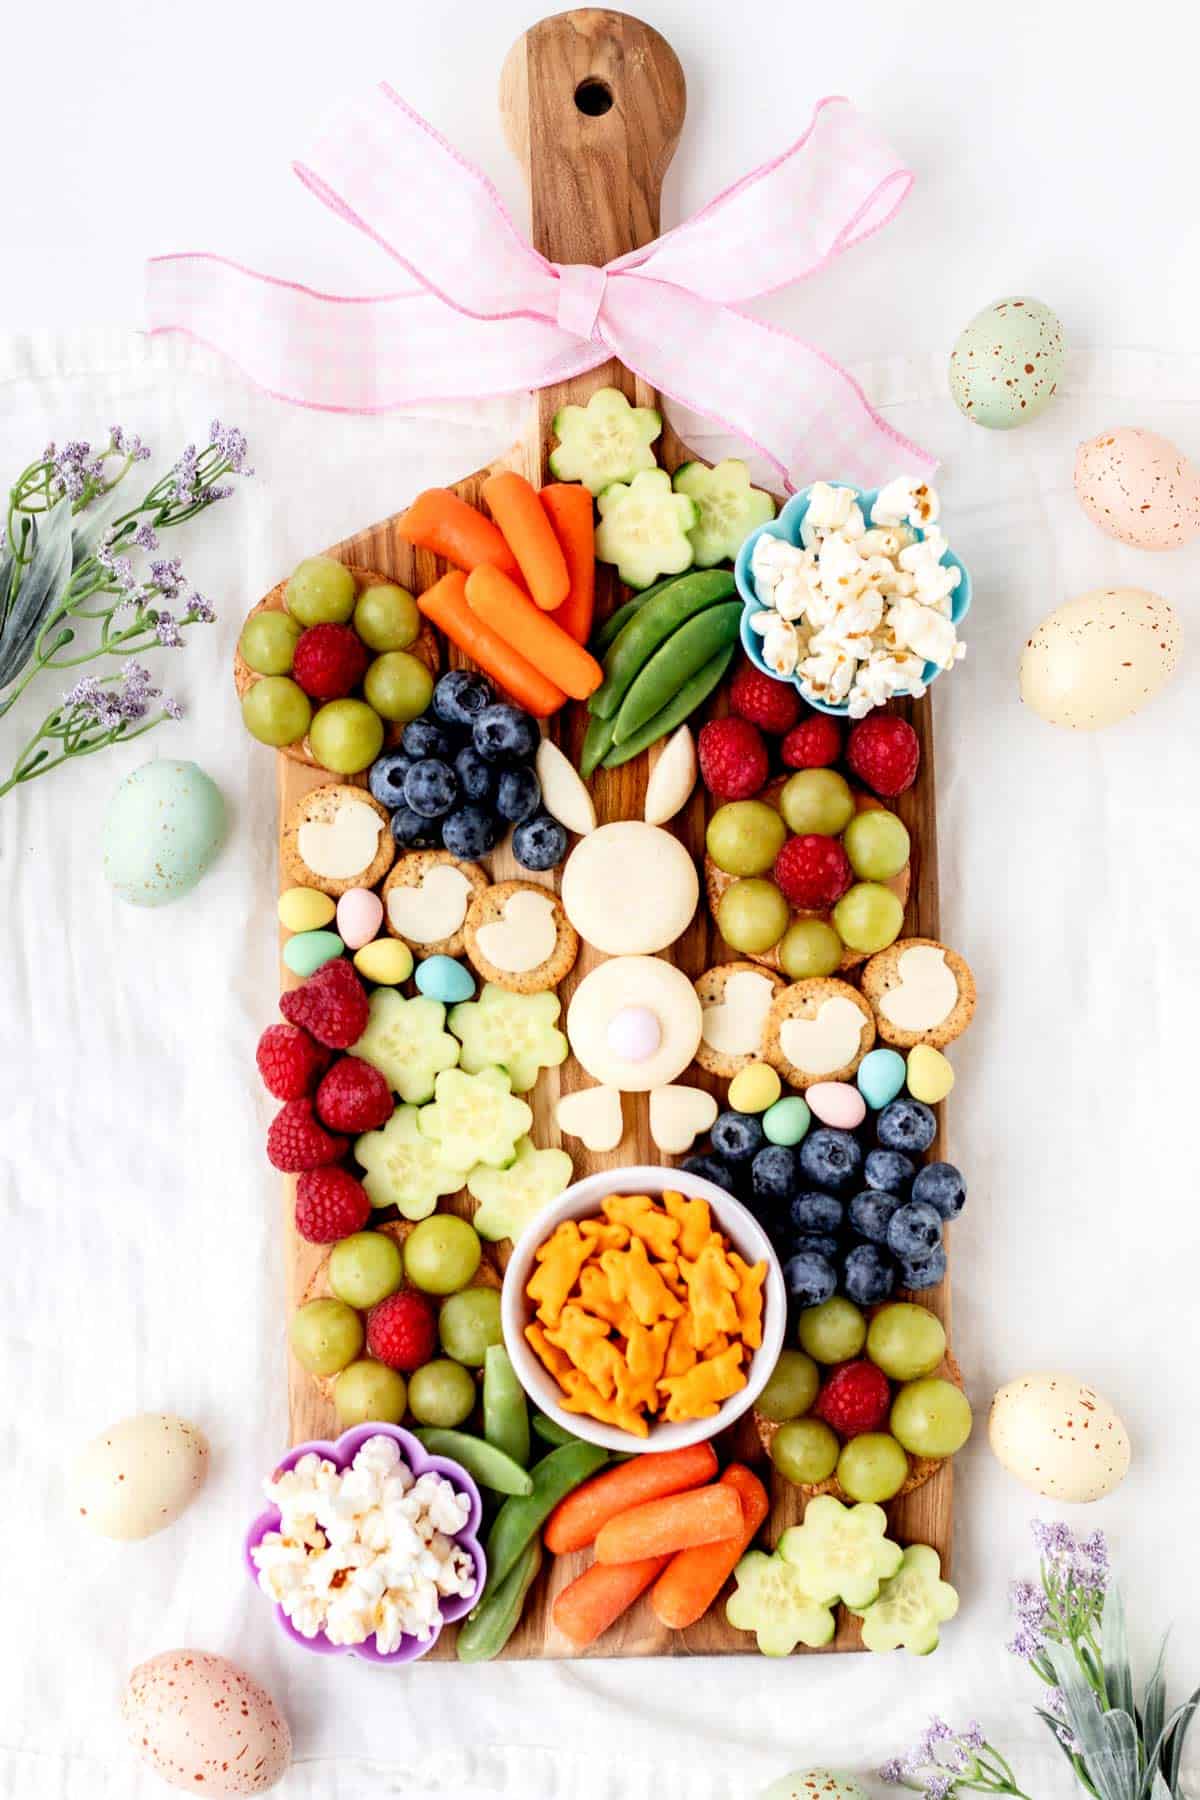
787	526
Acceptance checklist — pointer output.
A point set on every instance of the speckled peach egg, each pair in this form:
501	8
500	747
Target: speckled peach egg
138	1476
1100	657
1139	488
203	1725
813	1784
1059	1436
1007	363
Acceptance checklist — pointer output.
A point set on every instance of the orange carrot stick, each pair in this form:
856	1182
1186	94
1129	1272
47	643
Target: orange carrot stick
586	1608
575	1521
439	521
530	536
692	1580
500	603
660	1527
568	507
446	605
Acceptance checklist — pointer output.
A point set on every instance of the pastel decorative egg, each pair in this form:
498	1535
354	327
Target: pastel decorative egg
880	1077
163	828
359	916
813	1784
386	961
1007	363
304	909
1060	1437
138	1476
202	1724
634	1033
928	1073
786	1122
441	978
1099	657
308	950
755	1088
836	1103
1140	489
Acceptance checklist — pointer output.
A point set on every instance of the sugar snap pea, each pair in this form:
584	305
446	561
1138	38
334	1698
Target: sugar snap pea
520	1520
490	1467
551	1432
597	742
505	1409
685	653
618	619
485	1633
650	626
692	694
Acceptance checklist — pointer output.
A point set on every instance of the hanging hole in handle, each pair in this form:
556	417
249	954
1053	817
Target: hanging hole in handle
594	97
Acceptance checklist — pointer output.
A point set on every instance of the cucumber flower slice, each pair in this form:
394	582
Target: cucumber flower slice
841	1552
770	1601
910	1606
475	1119
403	1168
643	528
509	1199
513	1032
406	1041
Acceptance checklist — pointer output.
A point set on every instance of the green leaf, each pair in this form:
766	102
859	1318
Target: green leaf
46	576
1173	1748
1122	1754
91	524
1087	1723
1154	1707
1114	1650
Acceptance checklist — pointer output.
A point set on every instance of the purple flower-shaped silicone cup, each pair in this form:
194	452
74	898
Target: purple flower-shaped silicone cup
420	1461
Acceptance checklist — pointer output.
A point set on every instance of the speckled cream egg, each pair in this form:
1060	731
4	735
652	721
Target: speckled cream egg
138	1476
1137	487
163	828
1007	363
1059	1436
203	1725
1100	657
813	1784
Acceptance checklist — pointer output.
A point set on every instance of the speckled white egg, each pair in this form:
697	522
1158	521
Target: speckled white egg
1140	489
1100	657
1007	363
1059	1436
163	828
203	1725
813	1784
138	1476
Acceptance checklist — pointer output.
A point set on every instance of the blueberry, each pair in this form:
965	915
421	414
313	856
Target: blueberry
709	1168
539	843
737	1136
815	1212
913	1231
424	737
504	733
810	1279
815	1243
871	1214
469	832
518	795
831	1159
906	1125
460	697
888	1170
476	778
430	788
386	779
941	1186
412	832
925	1271
773	1175
868	1275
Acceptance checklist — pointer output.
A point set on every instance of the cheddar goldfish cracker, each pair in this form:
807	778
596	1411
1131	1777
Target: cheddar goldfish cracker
633	1277
595	1296
695	1222
582	1397
749	1298
711	1285
699	1393
681	1351
657	1230
561	1257
556	1362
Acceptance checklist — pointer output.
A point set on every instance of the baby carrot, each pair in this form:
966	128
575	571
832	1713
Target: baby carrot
568	507
676	1522
512	615
530	536
575	1521
445	603
439	521
586	1608
692	1580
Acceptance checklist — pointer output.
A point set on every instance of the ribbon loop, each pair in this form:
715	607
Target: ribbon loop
580	296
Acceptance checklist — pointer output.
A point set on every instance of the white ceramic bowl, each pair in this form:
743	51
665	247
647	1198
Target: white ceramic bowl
582	1201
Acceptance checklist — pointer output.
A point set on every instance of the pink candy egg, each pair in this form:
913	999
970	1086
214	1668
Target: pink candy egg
634	1033
359	916
836	1103
1140	489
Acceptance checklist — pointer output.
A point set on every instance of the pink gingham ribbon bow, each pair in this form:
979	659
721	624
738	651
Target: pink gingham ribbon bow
489	315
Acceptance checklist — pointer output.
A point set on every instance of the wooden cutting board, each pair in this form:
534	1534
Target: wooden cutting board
593	104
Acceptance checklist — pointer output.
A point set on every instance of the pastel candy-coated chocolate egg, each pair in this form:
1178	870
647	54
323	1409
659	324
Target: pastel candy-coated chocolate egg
787	1121
836	1103
304	909
359	916
441	978
163	827
930	1076
306	952
387	961
634	1033
754	1088
1007	363
880	1077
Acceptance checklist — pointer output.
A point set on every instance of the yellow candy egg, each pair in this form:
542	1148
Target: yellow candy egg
304	909
930	1076
386	961
754	1088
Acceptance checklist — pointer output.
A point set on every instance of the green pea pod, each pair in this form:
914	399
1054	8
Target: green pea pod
551	1432
597	742
650	626
683	655
519	1520
617	620
485	1633
505	1409
490	1467
692	694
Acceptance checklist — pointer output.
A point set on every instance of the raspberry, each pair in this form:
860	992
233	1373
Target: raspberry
354	1096
330	1204
812	872
330	660
856	1398
771	705
331	1004
815	743
402	1331
298	1141
884	752
733	759
289	1061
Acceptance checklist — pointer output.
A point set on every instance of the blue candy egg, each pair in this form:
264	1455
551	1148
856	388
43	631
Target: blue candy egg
163	828
441	978
880	1077
305	952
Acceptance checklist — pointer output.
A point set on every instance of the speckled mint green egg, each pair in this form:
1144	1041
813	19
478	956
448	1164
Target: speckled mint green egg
164	826
1007	364
814	1784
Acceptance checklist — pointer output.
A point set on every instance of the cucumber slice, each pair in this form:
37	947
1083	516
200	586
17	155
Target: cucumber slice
490	1467
841	1552
644	528
685	652
729	508
513	1032
605	441
651	626
692	694
510	1199
407	1042
770	1601
402	1168
597	743
911	1605
475	1119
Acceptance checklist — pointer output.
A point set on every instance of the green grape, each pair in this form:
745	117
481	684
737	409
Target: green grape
346	736
872	1467
320	591
833	1332
931	1417
441	1254
804	1451
276	710
468	1323
365	1268
386	617
268	642
398	686
366	1392
752	915
906	1341
442	1393
325	1336
868	917
817	800
877	844
791	1386
810	947
745	837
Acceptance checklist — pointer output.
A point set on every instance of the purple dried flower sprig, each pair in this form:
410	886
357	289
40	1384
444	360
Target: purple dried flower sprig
944	1763
99	710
